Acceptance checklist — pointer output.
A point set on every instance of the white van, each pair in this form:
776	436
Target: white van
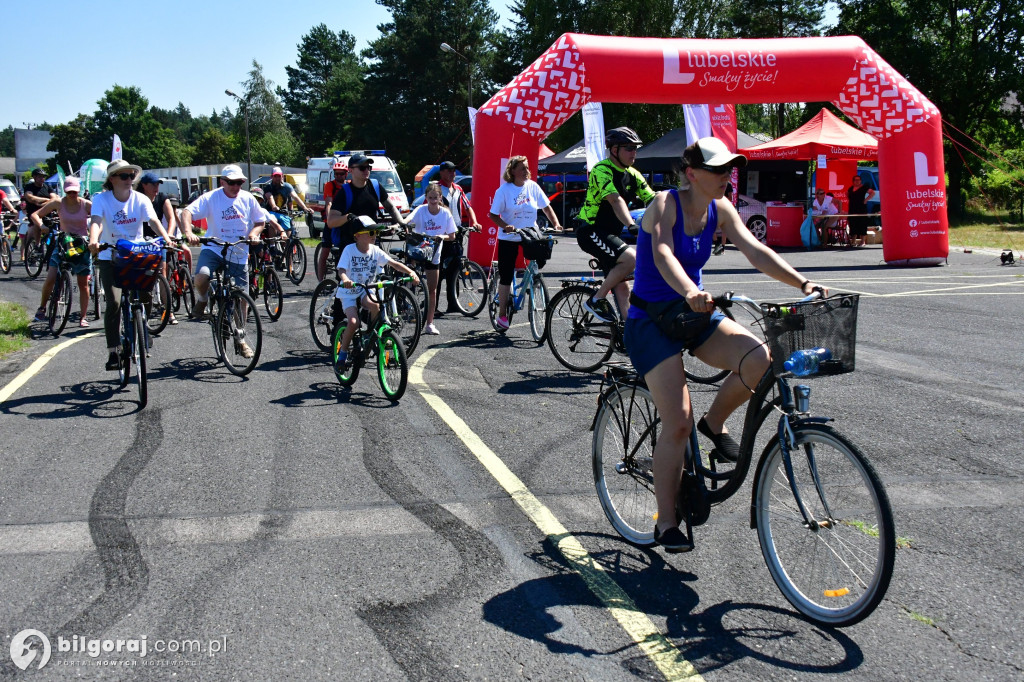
320	171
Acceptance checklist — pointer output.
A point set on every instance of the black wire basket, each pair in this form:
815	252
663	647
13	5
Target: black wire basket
825	323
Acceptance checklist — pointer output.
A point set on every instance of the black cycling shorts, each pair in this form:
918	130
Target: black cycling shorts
606	248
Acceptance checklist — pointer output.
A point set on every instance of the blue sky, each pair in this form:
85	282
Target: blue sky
60	57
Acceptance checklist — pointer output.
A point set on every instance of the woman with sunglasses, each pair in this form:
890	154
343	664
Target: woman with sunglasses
119	212
672	247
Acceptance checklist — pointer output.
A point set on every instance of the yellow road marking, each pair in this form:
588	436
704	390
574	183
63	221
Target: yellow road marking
40	362
668	659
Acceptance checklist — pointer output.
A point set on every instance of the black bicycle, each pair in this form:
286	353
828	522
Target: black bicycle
8	221
39	250
234	322
822	515
263	278
293	261
58	307
583	342
179	278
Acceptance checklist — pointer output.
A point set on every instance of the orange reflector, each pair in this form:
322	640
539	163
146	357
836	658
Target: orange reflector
841	592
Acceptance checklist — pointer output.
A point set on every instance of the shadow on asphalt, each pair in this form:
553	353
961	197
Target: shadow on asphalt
294	360
98	399
549	381
333	393
662	590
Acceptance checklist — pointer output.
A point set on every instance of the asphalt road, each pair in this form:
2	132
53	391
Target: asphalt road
295	529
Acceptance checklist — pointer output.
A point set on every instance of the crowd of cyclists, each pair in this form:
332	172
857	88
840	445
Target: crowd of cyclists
674	241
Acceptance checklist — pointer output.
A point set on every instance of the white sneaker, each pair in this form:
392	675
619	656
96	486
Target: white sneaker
431	329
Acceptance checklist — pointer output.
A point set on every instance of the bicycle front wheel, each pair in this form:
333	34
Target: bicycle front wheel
406	320
316	261
625	431
321	320
96	293
578	340
538	308
835	570
243	340
470	288
33	258
392	366
160	306
296	261
699	371
140	360
126	334
60	303
273	297
5	254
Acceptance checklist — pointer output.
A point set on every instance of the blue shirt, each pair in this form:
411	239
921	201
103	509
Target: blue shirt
691	252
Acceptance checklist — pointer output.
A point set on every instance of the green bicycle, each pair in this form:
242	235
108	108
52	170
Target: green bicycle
379	340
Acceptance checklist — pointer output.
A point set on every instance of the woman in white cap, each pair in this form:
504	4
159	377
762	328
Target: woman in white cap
73	211
672	248
118	212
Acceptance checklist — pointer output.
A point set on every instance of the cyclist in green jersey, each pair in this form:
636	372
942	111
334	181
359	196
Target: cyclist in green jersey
613	185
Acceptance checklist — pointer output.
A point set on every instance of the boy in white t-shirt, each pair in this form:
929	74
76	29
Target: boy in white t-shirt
360	263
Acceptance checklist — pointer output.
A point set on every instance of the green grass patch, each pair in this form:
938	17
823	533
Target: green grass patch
987	229
871	531
14	331
921	618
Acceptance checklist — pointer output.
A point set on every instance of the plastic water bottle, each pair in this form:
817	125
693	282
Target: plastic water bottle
803	363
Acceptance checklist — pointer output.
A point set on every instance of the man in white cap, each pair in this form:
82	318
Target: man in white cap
231	214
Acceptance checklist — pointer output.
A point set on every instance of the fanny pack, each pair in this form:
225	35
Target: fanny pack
674	318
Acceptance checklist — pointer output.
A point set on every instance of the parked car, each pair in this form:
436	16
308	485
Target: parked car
12	193
754	216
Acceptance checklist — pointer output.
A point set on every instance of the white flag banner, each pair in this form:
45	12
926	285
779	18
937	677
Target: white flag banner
472	123
593	133
698	122
116	153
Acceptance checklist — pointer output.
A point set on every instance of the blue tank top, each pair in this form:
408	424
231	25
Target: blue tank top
691	252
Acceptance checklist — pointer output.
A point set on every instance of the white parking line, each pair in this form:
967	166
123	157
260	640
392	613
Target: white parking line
668	659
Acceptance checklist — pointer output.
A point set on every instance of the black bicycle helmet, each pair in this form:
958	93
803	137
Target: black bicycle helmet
621	135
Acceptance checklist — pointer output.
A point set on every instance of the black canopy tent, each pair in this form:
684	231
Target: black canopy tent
571	160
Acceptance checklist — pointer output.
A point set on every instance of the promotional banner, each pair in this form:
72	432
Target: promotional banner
472	123
593	133
697	122
723	123
60	181
116	153
580	68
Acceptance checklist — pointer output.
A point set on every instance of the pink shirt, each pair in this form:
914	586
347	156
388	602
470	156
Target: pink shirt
76	223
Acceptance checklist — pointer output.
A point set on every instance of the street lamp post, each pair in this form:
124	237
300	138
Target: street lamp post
445	47
248	151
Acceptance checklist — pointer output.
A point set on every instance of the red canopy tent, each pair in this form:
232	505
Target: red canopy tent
823	134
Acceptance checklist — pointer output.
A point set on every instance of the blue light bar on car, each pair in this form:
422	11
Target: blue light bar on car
368	152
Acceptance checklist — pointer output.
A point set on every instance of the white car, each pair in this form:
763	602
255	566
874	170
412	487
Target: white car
754	216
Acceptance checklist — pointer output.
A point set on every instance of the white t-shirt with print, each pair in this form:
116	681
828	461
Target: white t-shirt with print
360	267
121	219
518	206
424	222
228	219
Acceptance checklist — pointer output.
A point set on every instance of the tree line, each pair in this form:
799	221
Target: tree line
403	94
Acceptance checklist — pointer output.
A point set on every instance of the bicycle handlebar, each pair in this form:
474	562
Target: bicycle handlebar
729	298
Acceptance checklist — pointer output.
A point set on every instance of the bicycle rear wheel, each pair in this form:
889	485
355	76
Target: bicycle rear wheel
296	261
96	294
60	303
187	293
273	297
625	431
240	348
538	309
347	375
577	339
470	288
316	261
836	571
392	366
321	321
5	254
160	306
139	356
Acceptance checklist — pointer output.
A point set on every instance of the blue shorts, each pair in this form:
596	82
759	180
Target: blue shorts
648	346
209	261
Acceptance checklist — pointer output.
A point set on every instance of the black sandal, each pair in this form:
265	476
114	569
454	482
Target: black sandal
727	447
674	540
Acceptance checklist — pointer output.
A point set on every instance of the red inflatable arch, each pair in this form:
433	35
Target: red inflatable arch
845	71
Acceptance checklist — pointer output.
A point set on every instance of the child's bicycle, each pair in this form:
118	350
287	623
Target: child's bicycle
528	287
294	258
379	341
263	278
822	516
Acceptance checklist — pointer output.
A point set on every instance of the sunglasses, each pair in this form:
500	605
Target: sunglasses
363	168
628	147
125	176
235	183
820	194
717	170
